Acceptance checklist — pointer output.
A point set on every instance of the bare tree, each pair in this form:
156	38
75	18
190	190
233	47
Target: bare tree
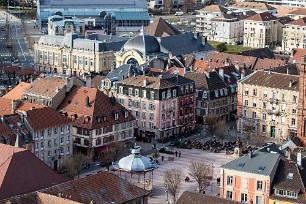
110	155
258	140
155	155
74	165
202	173
173	181
211	124
221	129
248	129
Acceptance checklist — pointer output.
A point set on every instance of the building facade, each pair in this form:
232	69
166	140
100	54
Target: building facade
163	107
260	31
70	55
284	2
294	35
268	102
301	121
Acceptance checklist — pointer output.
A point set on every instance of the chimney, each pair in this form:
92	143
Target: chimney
185	70
242	75
170	55
207	74
145	82
268	149
57	89
299	159
3	119
290	83
204	40
221	73
270	71
14	105
87	101
288	70
88	81
196	35
227	62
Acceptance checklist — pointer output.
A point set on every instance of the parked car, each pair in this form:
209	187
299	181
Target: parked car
179	13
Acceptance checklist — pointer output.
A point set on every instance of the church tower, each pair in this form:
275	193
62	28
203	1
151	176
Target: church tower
301	121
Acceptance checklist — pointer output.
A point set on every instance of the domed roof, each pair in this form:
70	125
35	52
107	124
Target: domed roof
135	163
145	44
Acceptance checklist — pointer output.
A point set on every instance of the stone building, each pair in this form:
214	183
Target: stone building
70	55
294	35
301	122
268	102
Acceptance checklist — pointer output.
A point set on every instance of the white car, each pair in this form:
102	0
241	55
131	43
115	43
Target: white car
179	13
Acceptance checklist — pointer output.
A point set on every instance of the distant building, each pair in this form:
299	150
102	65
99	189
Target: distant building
294	35
129	15
189	197
252	6
268	102
57	25
298	13
161	28
296	3
163	107
71	55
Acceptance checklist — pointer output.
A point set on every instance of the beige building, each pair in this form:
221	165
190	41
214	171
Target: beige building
268	102
294	35
71	55
260	31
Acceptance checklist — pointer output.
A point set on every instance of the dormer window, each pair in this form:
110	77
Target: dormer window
121	89
126	114
104	119
204	94
136	92
116	116
216	93
130	91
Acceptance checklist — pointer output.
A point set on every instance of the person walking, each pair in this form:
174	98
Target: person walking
175	153
162	158
180	153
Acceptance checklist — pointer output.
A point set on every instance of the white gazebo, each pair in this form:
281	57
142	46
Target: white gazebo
137	164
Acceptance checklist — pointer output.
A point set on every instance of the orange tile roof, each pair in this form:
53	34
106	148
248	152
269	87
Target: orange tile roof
6	106
199	66
284	10
43	118
46	86
297	54
26	106
22	172
100	105
16	92
160	28
252	5
268	63
299	22
299	11
262	17
214	8
152	82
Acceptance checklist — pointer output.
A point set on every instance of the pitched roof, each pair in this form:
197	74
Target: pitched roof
103	187
6	106
96	81
100	105
214	8
46	86
284	10
160	27
252	5
268	63
272	80
199	66
152	82
285	20
299	11
44	118
22	172
203	82
198	198
266	16
299	22
16	92
261	162
124	71
259	53
296	55
288	68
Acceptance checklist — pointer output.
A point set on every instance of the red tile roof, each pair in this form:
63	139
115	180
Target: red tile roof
198	198
103	187
262	17
296	55
299	11
176	70
160	27
199	66
6	106
268	63
219	58
152	82
44	118
22	172
16	92
252	5
100	106
299	22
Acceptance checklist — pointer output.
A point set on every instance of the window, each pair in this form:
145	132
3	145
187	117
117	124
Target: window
258	200
294	110
253	115
136	92
163	95
152	106
246	91
151	117
293	121
168	94
246	102
259	185
130	91
264	116
229	195
64	58
151	125
229	180
244	198
62	140
130	103
254	104
42	134
265	95
143	105
244	182
126	114
245	113
152	95
49	131
68	129
204	95
121	89
143	124
144	115
254	92
264	105
294	98
174	93
144	94
55	142
49	143
264	128
216	93
116	116
283	97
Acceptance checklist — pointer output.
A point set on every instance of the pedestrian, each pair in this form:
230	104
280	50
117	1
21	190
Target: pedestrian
180	153
175	153
154	146
162	158
203	192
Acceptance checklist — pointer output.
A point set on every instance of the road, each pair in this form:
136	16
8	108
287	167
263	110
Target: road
19	52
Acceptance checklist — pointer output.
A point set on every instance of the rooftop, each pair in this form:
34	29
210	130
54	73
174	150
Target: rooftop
161	28
214	8
298	11
261	162
296	55
299	22
272	80
209	81
22	172
16	92
266	16
197	198
252	5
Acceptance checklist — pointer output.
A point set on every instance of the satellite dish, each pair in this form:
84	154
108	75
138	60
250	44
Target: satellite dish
102	14
59	13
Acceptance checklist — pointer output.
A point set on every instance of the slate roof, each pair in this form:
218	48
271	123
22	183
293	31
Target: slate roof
285	19
299	22
266	16
46	86
214	8
146	44
259	53
202	82
272	80
123	72
16	92
160	28
185	43
288	68
103	187
198	198
100	105
261	162
22	172
43	118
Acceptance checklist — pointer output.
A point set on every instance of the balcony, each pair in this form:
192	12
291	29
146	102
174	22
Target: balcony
274	100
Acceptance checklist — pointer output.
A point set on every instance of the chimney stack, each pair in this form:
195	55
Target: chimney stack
14	106
288	70
87	101
288	153
290	83
227	62
145	82
221	73
196	35
204	40
299	159
207	74
242	75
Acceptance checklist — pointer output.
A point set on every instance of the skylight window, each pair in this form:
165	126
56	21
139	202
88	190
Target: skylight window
261	168
290	176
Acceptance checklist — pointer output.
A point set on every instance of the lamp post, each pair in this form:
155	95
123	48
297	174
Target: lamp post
212	174
167	201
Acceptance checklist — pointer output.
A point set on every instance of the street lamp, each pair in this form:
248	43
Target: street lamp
167	201
212	174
